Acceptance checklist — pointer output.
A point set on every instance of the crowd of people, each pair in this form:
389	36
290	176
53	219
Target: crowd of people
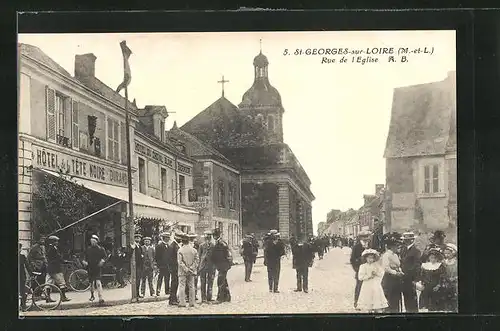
386	277
400	273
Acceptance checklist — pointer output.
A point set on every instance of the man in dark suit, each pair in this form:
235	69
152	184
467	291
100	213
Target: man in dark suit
162	263
173	267
362	243
273	252
222	259
303	256
410	265
247	252
135	247
206	268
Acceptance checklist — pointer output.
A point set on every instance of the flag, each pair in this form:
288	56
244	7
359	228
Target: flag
126	67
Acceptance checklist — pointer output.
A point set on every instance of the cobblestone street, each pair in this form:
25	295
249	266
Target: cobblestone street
330	291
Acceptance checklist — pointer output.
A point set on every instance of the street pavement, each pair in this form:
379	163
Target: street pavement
331	287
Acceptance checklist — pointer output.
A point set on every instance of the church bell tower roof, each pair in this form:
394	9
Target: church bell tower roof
261	93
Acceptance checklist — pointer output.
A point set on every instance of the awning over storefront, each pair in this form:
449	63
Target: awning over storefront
144	206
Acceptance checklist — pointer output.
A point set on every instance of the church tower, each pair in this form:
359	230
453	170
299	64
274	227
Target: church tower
263	102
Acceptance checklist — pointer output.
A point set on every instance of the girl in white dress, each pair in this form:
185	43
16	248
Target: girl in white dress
371	297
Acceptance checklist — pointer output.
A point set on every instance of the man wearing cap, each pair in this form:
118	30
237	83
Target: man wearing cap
55	274
274	251
206	268
247	252
362	243
172	250
187	259
139	259
148	251
37	259
94	259
161	259
223	260
410	264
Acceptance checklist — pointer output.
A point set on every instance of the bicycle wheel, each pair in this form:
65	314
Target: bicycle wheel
47	297
79	280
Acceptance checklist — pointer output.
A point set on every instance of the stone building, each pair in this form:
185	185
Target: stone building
72	137
275	189
217	184
420	155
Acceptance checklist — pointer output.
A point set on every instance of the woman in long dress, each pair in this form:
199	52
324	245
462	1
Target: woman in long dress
371	297
391	282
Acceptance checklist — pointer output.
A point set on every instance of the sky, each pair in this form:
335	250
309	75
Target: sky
336	116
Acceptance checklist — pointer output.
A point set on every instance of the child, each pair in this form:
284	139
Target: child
450	283
371	296
431	282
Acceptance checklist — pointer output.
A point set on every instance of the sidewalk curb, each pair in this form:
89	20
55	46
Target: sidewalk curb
108	303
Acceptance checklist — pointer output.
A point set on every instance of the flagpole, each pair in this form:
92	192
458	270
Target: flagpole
130	223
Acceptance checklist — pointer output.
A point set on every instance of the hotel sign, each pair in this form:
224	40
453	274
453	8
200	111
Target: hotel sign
156	156
46	158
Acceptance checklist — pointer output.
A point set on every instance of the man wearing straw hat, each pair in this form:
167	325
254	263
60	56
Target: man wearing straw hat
410	264
162	263
135	247
173	266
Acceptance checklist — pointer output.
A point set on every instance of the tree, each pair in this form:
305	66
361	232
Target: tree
58	202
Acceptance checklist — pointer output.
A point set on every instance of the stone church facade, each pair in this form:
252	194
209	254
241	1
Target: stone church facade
275	188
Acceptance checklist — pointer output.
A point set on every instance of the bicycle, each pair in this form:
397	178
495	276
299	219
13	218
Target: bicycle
79	279
45	296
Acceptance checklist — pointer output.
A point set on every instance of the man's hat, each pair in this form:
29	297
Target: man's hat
95	237
147	238
192	236
248	235
408	236
364	233
207	233
54	238
180	235
216	232
137	235
165	234
277	234
273	231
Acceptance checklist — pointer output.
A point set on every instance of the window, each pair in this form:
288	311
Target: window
142	176
431	178
182	188
172	186
164	184
113	140
270	123
232	196
221	194
75	131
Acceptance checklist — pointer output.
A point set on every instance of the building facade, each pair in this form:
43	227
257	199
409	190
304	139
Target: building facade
421	158
275	188
72	139
217	184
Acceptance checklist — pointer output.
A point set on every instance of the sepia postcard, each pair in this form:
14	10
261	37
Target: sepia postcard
237	173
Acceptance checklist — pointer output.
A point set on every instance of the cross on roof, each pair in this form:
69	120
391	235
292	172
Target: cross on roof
260	41
222	82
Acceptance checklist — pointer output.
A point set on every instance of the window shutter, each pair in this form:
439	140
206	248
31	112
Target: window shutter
75	130
50	100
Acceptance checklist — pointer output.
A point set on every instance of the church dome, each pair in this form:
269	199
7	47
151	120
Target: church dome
260	61
261	94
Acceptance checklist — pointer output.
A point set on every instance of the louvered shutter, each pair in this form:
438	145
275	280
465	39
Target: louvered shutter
75	130
50	100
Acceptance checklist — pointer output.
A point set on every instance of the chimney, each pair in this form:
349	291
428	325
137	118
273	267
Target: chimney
378	188
85	65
